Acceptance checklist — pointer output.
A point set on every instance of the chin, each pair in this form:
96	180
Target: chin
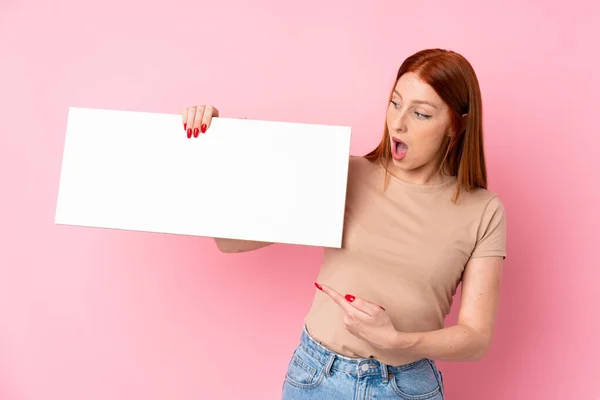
400	164
397	162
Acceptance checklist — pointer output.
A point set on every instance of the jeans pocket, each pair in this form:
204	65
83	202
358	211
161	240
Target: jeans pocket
303	371
416	383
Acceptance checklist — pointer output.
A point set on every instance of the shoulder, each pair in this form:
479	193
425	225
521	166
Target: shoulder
357	162
487	207
483	207
490	225
364	177
356	166
481	199
364	172
359	165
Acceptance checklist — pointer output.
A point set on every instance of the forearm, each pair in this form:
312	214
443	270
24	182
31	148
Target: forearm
238	246
456	343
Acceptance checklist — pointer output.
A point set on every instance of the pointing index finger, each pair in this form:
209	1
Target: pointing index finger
351	303
342	301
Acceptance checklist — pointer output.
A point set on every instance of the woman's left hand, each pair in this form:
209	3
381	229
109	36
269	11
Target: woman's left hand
365	320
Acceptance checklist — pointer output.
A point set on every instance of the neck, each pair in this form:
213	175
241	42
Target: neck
426	175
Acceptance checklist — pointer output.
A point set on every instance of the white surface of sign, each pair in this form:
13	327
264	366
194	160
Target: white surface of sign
268	181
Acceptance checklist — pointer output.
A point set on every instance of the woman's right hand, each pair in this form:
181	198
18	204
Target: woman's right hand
197	119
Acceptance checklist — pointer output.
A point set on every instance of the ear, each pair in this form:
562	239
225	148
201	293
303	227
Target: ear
464	122
463	125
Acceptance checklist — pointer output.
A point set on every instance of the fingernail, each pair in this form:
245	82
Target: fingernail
382	308
318	286
350	298
185	126
189	133
203	127
195	132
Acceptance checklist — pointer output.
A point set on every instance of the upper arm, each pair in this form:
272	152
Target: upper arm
480	295
239	246
483	272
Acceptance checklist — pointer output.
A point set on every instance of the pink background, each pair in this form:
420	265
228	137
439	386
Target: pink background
104	314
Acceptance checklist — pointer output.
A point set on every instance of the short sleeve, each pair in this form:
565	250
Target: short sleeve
491	235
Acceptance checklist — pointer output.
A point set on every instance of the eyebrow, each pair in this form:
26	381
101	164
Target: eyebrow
418	101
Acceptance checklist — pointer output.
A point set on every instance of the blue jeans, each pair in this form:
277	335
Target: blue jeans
314	372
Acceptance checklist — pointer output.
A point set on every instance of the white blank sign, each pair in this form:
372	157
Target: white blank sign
244	179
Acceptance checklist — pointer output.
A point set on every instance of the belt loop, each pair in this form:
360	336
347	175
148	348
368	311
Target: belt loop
327	368
384	373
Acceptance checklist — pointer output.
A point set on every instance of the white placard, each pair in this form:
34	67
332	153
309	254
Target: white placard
268	181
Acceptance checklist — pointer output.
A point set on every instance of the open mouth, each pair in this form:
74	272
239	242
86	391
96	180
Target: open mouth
399	149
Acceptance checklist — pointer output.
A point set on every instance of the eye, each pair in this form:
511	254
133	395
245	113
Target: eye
394	103
422	116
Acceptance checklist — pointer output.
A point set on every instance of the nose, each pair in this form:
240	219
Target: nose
398	123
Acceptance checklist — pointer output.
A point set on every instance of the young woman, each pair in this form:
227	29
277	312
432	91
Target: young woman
419	220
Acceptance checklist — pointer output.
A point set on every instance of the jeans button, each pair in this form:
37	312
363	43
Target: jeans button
364	367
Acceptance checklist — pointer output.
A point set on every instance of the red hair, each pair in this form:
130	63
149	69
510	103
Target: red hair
454	80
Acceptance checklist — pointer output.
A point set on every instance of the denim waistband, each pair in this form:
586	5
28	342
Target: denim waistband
359	366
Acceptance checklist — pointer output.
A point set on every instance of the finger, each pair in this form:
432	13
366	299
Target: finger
184	115
363	305
190	120
198	120
341	301
209	113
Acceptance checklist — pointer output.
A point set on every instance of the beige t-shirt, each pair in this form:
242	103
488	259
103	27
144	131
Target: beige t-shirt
404	249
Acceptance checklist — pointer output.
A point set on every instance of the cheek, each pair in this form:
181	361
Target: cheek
389	118
435	141
429	143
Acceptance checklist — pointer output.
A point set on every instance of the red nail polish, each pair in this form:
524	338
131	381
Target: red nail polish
184	126
318	286
203	127
350	298
189	133
382	308
195	132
